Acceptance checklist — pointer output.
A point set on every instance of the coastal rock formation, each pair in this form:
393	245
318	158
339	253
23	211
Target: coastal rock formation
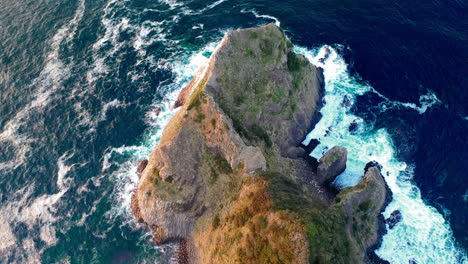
394	219
229	181
362	205
331	164
141	167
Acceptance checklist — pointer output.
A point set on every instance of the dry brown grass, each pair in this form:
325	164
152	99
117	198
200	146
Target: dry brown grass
251	231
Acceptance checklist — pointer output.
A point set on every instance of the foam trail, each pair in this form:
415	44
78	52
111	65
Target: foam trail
211	6
145	33
50	79
62	182
257	15
423	235
23	207
426	101
173	4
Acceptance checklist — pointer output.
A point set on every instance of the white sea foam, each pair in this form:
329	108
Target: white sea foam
211	6
426	101
113	29
173	4
257	15
423	235
62	181
157	118
50	80
144	34
106	106
40	211
23	207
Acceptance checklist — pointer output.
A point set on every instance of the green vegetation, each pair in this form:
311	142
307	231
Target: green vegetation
364	206
155	178
278	94
239	98
212	177
217	165
295	62
221	164
169	179
199	118
267	46
260	133
325	228
333	157
194	99
216	221
286	193
253	34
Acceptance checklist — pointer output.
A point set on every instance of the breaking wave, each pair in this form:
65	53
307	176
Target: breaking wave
423	235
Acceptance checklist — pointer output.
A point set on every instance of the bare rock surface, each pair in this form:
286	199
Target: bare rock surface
229	182
331	164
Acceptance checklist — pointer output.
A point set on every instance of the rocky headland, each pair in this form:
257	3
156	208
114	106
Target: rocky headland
230	181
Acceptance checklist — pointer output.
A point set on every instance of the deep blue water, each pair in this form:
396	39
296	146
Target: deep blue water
80	81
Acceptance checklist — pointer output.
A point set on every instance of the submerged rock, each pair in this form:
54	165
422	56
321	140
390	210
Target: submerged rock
331	164
157	111
353	126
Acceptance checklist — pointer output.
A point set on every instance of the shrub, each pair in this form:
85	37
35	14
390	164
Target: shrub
295	62
216	222
169	179
364	206
200	117
261	134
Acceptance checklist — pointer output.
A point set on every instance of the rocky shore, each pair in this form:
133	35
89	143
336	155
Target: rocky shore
230	181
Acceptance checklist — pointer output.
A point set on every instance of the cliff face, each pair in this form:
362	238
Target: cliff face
228	179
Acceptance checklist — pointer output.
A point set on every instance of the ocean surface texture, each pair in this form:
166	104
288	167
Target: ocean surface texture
82	82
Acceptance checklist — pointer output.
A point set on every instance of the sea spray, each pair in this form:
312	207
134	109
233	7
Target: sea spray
423	235
184	69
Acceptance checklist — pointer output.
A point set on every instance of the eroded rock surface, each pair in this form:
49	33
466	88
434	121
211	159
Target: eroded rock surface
331	164
229	182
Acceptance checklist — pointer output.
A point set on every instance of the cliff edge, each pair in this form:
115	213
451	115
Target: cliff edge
229	180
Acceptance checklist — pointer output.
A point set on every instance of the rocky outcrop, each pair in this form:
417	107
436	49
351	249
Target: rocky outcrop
229	182
332	163
362	205
393	219
141	167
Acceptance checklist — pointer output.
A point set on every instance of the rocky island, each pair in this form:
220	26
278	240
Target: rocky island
230	181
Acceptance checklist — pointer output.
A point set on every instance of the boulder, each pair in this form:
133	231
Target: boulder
332	163
393	219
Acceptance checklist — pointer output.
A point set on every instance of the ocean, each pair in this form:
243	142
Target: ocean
86	88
